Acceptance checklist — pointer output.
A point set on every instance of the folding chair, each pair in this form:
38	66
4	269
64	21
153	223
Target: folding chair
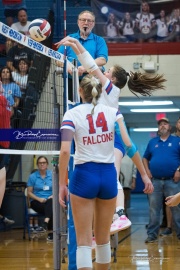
29	213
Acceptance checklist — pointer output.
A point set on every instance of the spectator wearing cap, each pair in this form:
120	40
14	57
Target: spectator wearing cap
162	163
168	214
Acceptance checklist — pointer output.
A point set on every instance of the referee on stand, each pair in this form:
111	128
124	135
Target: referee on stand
94	44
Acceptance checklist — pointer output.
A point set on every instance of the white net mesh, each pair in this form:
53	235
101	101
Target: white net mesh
40	104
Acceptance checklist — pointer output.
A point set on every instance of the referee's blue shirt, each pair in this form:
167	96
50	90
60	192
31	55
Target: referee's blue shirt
163	156
94	44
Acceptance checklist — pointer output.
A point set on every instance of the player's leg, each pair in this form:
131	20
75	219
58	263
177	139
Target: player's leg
2	183
102	223
103	214
120	221
84	187
83	210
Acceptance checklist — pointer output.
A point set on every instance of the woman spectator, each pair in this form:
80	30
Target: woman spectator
6	112
111	29
176	23
145	22
162	27
40	192
21	75
127	27
11	89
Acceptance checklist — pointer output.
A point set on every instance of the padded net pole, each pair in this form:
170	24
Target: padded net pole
56	217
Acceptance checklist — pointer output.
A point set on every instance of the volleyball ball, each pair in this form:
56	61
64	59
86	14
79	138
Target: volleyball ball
39	29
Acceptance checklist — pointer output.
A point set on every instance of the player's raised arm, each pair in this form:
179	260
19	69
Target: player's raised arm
83	56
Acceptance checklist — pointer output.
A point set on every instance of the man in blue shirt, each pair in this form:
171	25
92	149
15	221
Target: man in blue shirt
94	44
162	163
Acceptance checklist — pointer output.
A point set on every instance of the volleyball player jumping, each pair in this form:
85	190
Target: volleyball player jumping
112	81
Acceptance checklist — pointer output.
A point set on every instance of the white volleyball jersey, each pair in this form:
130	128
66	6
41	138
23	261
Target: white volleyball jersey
93	134
111	30
145	22
110	95
127	29
176	22
162	28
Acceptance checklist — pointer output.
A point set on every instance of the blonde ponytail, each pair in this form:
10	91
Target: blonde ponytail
91	90
94	100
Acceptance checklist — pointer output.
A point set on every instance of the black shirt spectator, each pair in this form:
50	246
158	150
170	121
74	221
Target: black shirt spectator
17	53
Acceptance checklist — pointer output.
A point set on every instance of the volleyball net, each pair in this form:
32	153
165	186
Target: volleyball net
41	94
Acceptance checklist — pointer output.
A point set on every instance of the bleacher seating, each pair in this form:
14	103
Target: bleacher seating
40	9
35	8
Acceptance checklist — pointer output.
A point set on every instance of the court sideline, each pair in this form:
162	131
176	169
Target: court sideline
132	253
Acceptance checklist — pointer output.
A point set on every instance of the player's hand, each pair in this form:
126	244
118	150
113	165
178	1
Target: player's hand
173	200
63	195
81	70
67	41
176	177
149	188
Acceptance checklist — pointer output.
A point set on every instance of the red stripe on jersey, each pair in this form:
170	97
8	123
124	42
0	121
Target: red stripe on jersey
68	123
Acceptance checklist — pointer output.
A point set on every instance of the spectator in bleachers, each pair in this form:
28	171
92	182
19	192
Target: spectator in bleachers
176	23
145	23
20	76
127	27
162	27
171	27
17	53
111	28
11	89
11	9
6	112
22	25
